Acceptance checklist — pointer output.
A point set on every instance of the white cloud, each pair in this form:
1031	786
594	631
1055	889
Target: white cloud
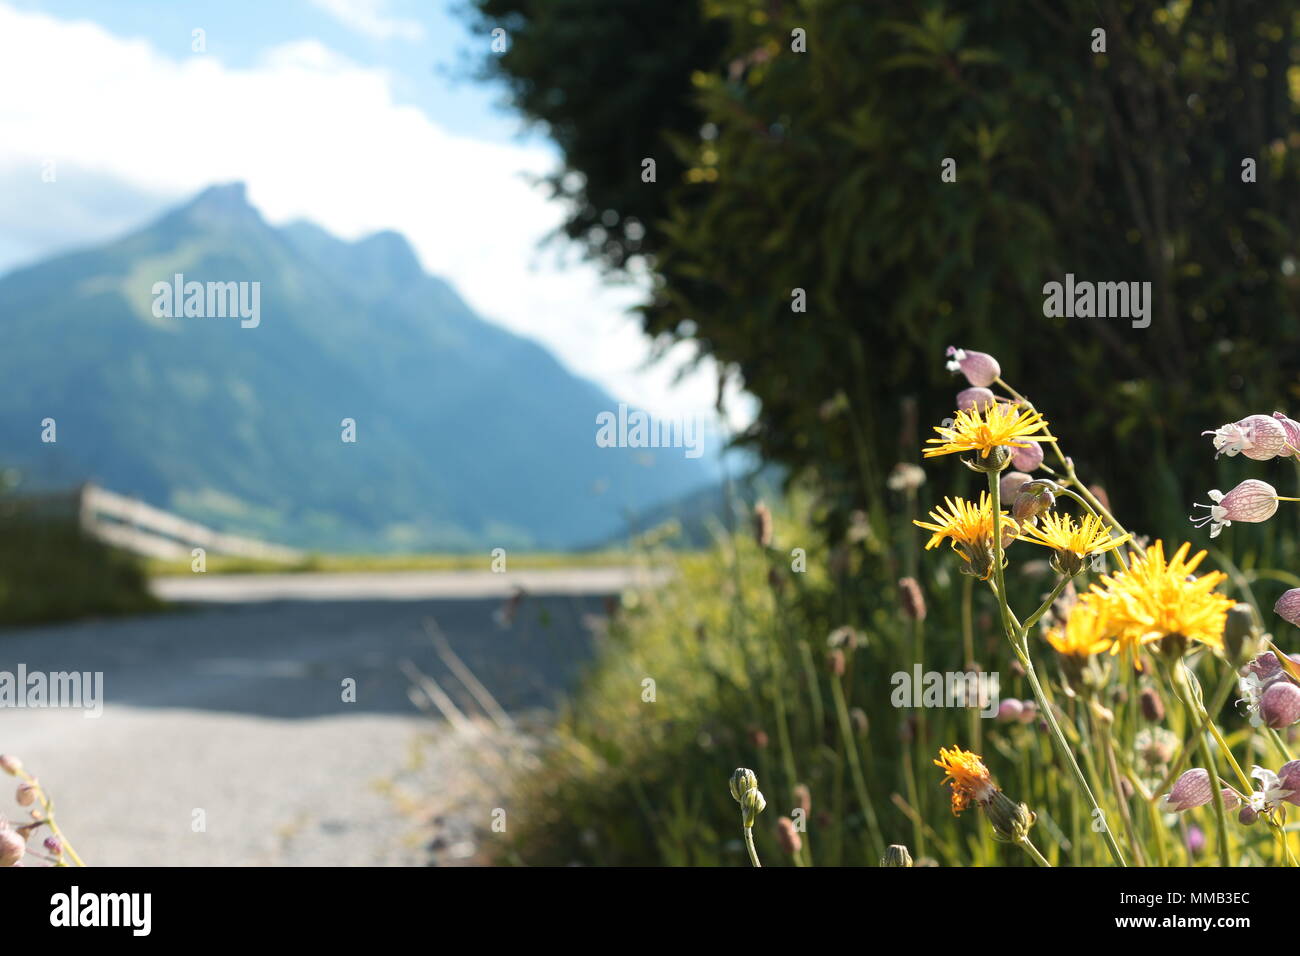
368	17
319	137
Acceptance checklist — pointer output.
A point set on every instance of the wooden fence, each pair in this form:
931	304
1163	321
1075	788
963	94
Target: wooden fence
135	526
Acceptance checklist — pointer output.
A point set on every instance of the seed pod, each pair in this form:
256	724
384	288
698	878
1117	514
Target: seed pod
1152	706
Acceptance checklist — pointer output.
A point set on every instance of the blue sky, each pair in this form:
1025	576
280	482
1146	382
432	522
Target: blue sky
360	115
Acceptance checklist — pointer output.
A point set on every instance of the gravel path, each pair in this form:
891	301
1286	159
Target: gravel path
233	709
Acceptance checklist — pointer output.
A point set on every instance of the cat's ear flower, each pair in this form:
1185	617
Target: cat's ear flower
980	368
1252	501
1255	436
975	398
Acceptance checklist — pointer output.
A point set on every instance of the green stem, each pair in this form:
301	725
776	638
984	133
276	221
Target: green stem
749	845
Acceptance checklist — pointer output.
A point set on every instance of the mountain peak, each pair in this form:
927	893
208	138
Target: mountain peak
390	254
224	204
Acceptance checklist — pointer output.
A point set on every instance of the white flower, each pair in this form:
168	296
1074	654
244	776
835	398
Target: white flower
1252	689
1270	792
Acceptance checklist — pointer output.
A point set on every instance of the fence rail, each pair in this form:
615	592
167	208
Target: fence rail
136	526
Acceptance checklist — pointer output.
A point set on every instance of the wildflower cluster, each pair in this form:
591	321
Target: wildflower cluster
15	837
1159	613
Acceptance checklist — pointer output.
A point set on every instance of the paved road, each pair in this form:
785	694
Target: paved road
234	706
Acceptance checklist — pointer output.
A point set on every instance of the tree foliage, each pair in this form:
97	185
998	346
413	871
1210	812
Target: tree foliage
820	171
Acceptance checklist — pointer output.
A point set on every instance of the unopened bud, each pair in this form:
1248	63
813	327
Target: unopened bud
912	599
896	855
1009	485
10	765
762	525
803	799
751	805
1240	632
788	837
1011	821
1151	705
835	661
1033	499
1279	706
1009	711
741	781
1247	815
12	848
26	795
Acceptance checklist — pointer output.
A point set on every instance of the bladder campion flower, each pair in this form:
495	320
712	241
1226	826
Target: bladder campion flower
1252	502
1193	789
1072	541
970	526
1255	436
980	368
1159	598
975	398
1292	429
985	429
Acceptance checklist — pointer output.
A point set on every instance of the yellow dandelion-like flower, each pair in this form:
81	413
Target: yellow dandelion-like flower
1158	598
966	776
985	428
1072	540
1086	632
970	527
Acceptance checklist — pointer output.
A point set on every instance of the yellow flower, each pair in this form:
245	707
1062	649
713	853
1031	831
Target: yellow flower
1086	632
1072	541
983	429
970	526
1158	598
967	776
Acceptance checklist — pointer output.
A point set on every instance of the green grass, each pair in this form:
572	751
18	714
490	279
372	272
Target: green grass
50	571
340	563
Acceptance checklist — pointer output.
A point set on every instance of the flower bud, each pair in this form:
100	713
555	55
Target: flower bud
53	846
911	598
975	398
751	805
1011	821
1151	705
26	794
1010	484
1028	711
896	855
803	799
858	717
1292	430
1027	458
1289	779
741	781
1247	814
1033	499
12	848
1192	789
835	661
1280	704
980	368
762	525
788	837
1240	632
1009	711
10	765
1287	608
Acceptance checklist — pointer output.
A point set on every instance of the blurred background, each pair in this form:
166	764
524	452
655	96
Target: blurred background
479	225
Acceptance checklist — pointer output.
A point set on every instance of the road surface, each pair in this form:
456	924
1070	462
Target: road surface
227	736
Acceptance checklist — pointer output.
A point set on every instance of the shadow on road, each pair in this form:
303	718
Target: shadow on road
290	658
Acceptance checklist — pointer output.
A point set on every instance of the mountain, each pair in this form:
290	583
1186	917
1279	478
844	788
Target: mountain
467	436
